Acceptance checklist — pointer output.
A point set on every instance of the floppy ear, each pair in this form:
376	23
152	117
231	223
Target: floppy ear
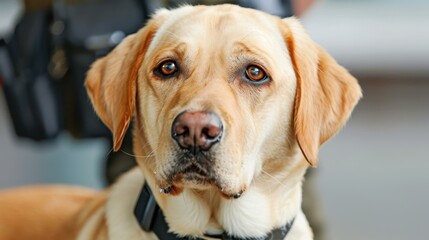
326	92
111	82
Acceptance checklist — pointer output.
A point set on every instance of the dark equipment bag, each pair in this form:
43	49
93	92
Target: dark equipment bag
31	95
44	63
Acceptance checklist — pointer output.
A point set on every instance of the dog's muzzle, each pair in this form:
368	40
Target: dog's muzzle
196	133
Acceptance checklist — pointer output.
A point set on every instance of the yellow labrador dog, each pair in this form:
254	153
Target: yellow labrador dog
230	107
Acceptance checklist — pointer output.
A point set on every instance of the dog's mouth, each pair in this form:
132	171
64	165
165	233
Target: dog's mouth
196	174
195	171
192	175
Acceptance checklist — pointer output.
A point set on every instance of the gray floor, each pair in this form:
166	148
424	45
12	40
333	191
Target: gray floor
373	179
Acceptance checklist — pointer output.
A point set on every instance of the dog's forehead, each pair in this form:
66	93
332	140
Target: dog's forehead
217	25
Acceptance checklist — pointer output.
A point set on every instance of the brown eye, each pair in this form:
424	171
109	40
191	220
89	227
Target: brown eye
167	68
256	74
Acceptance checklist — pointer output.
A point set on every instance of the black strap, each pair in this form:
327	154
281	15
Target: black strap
151	218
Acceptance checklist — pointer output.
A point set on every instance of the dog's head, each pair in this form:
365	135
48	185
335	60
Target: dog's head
217	92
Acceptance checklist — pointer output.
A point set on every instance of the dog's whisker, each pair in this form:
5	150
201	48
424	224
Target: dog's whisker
151	154
108	153
273	177
137	156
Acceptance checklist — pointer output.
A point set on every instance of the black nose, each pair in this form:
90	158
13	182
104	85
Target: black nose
197	131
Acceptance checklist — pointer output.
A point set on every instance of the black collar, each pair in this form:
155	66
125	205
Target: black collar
151	218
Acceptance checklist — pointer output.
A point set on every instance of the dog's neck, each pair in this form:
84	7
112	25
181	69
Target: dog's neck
261	208
151	218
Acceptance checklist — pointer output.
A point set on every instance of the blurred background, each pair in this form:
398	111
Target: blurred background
373	177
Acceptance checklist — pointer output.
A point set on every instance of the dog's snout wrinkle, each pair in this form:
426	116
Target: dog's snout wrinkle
197	131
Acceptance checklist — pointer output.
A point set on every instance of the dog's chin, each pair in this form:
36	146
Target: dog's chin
196	178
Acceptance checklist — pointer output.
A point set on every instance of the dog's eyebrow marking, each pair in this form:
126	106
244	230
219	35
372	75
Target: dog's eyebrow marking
240	47
242	50
176	50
